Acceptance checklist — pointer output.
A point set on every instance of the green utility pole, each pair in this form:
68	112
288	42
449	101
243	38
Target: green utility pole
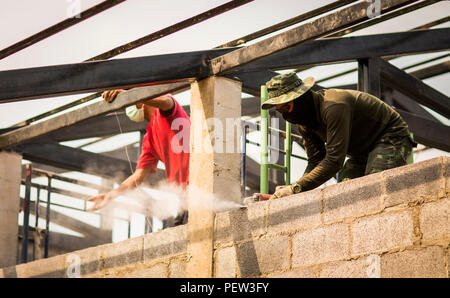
265	165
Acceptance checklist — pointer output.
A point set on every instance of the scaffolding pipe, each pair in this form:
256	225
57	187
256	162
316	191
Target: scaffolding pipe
47	217
264	170
26	213
287	156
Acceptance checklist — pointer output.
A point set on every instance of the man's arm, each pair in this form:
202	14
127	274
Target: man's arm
101	200
315	151
338	119
163	102
314	148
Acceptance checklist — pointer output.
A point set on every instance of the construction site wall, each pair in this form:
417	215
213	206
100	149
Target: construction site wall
390	224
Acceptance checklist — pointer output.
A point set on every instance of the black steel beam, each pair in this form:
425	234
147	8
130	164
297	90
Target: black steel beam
76	160
108	125
123	100
422	74
101	75
400	100
332	50
104	126
427	132
85	77
369	80
285	24
58	27
431	71
414	88
320	27
171	29
375	20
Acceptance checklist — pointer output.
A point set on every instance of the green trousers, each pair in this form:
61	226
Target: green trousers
388	153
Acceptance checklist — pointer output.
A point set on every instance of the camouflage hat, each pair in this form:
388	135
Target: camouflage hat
285	88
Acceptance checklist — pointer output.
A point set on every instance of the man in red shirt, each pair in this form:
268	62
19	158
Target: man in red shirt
166	140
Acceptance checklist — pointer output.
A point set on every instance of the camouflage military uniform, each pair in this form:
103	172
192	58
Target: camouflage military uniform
357	125
387	154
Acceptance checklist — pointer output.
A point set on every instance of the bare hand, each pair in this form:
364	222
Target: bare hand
282	191
110	95
100	201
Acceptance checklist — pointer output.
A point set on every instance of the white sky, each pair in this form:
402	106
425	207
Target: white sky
136	18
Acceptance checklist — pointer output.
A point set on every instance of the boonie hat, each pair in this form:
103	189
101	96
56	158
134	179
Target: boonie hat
285	88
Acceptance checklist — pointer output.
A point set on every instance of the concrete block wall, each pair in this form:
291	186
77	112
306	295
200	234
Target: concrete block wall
160	254
389	224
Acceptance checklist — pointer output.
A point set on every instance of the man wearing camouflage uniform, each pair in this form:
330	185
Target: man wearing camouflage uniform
336	124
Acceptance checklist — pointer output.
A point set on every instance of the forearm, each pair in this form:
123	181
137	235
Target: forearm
324	171
163	102
130	183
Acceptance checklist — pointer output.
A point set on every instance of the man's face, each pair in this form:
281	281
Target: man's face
285	107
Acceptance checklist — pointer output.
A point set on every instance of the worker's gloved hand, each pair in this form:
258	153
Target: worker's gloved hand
282	191
110	95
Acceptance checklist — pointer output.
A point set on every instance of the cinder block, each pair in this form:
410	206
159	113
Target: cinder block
294	212
446	165
320	245
53	267
412	182
12	271
435	220
352	198
263	255
165	243
428	262
345	269
122	253
240	224
155	271
225	263
299	273
177	269
382	232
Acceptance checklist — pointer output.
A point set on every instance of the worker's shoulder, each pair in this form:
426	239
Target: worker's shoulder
339	94
332	97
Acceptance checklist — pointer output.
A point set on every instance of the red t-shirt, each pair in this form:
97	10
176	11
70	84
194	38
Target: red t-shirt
167	140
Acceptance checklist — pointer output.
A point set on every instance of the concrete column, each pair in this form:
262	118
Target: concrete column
215	163
10	176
